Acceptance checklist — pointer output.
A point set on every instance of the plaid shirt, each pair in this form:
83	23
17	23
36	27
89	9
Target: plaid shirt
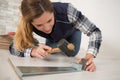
85	26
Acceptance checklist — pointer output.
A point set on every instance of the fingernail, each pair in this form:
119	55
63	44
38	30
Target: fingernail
87	63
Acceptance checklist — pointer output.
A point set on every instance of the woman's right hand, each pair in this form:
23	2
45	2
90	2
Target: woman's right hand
40	51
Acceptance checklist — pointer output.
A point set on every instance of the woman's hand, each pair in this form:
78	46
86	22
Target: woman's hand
40	51
90	66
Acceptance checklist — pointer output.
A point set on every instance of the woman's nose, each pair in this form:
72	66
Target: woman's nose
47	27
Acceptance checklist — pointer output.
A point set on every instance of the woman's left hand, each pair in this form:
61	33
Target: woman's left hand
90	66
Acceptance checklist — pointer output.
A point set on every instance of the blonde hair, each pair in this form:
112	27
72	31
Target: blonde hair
23	37
30	10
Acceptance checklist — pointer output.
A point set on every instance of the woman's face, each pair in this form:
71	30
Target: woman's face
44	23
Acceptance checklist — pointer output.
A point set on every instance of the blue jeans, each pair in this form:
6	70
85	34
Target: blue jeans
75	38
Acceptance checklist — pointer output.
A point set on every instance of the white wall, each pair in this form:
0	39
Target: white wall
105	14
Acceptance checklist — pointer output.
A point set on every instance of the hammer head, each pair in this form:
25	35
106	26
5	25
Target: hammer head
66	47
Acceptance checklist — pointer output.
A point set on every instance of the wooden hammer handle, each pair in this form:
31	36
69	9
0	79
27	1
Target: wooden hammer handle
54	50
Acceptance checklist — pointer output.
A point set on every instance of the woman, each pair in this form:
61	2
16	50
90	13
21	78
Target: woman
53	21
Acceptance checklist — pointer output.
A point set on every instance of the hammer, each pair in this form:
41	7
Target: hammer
64	46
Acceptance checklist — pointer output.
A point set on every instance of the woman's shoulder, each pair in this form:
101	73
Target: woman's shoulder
60	7
60	4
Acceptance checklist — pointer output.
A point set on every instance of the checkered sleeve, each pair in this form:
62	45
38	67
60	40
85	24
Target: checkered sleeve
27	52
87	27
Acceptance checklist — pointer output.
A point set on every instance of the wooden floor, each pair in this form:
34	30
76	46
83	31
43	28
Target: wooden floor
107	62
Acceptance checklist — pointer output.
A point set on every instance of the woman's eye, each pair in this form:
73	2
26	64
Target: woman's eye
49	20
39	25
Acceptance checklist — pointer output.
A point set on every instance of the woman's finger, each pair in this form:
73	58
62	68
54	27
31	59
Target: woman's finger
91	67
